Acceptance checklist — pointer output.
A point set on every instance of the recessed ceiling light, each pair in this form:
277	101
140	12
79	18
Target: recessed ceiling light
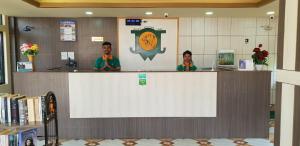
148	13
209	13
270	13
89	13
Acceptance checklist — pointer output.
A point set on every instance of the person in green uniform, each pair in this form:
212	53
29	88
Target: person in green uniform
107	62
187	64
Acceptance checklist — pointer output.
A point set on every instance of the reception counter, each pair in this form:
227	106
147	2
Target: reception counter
151	94
222	104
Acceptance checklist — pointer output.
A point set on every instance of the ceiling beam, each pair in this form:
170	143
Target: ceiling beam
146	5
264	2
32	2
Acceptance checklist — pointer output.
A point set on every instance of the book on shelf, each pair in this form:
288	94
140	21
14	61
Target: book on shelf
15	109
23	111
37	109
20	116
27	137
19	109
18	137
6	107
9	137
30	105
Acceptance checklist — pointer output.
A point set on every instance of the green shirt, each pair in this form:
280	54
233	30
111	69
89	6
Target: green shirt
182	68
114	62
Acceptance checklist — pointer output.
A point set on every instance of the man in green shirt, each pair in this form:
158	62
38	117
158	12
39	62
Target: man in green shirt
107	62
187	64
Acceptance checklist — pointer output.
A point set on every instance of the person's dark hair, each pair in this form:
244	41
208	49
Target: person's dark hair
187	52
106	43
31	141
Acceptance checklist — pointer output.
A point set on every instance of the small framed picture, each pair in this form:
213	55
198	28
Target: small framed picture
68	30
245	64
225	58
24	66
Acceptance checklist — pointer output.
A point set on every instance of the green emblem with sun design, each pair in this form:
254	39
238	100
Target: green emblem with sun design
148	42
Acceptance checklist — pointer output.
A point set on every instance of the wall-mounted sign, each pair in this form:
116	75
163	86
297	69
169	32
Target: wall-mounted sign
152	46
133	22
67	30
148	42
97	39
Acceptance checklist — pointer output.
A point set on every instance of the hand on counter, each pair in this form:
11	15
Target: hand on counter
112	68
107	65
187	68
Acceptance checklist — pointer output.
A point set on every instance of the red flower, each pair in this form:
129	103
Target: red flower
29	45
265	53
261	58
256	50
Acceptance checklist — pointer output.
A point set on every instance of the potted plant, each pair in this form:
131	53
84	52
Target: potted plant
30	51
260	57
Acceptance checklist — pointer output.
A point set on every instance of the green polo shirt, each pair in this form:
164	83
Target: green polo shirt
182	68
114	62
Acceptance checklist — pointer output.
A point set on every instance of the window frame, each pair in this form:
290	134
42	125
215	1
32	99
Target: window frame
1	19
2	56
4	28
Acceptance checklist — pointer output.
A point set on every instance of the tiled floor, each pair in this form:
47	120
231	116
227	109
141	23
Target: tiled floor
175	142
172	142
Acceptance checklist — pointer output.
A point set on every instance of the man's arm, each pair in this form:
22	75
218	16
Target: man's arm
113	69
117	65
100	69
98	65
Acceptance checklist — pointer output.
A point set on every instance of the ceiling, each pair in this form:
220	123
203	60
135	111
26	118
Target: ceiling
20	8
146	3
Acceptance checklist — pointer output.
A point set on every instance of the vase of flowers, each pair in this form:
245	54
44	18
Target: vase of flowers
30	51
260	57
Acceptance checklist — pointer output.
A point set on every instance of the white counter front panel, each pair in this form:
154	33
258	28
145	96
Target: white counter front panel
168	94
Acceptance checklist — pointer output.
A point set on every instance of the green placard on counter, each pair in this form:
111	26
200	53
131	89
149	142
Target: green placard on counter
142	82
142	79
143	75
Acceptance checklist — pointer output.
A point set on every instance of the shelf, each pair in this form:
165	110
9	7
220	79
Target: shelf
48	109
28	125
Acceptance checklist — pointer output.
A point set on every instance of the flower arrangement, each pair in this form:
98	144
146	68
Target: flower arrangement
29	49
260	56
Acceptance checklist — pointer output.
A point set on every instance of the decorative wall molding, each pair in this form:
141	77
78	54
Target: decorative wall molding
288	77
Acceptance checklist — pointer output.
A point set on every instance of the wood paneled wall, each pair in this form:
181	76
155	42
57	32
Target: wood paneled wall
278	113
46	34
280	42
242	110
296	134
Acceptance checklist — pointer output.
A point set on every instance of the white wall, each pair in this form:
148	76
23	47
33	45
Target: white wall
205	35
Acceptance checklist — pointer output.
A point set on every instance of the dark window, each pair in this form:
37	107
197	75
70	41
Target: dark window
2	67
1	20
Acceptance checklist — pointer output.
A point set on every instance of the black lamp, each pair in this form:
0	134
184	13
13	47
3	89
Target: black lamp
28	28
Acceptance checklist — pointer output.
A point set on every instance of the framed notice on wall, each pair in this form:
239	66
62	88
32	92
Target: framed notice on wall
67	30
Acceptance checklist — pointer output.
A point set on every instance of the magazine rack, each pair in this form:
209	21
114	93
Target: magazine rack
50	119
49	126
